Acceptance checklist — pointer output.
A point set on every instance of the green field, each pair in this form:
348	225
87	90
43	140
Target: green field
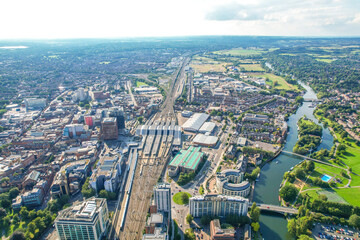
252	67
241	52
327	60
139	84
332	196
177	197
351	195
282	84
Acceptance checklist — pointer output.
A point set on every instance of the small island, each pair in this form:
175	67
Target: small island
309	136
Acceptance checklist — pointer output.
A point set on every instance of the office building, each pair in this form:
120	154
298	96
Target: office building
109	129
84	220
107	174
218	205
162	195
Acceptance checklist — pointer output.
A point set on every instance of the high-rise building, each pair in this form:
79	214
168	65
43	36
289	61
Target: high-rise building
109	128
85	220
218	205
162	195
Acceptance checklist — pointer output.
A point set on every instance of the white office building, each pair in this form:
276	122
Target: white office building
86	220
162	195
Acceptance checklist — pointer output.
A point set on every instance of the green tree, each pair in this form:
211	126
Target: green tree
189	218
310	166
2	213
32	227
103	194
13	193
354	220
185	198
15	219
255	226
205	220
32	215
17	235
254	213
289	192
24	213
201	190
300	173
291	226
5	203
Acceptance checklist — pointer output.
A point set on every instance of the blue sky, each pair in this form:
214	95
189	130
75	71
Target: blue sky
124	18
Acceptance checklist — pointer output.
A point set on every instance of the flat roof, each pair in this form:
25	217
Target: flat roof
205	140
189	158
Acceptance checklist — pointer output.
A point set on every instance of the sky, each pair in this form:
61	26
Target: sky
144	18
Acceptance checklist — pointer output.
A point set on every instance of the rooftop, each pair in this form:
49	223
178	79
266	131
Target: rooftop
82	211
189	158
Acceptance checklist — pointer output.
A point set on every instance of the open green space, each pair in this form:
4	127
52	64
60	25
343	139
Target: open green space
252	67
351	195
281	83
179	198
241	52
139	84
327	60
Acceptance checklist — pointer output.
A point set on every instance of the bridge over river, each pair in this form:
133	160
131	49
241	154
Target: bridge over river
277	209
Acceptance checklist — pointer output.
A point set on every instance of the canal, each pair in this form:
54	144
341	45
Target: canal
274	227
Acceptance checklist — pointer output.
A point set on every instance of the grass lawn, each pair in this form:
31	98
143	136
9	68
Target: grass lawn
139	84
240	52
351	195
252	67
177	197
282	84
332	196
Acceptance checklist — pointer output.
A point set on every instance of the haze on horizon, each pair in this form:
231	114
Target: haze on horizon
142	18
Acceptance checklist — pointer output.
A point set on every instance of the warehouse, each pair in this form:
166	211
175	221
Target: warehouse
205	140
207	127
194	123
186	161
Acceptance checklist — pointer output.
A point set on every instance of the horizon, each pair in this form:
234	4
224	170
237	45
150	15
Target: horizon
42	19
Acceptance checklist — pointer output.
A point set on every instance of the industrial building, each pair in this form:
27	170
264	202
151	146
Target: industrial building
207	128
205	140
218	205
35	103
231	182
84	220
109	128
107	174
186	161
194	123
162	196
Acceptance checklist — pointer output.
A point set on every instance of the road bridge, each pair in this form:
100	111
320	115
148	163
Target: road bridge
277	209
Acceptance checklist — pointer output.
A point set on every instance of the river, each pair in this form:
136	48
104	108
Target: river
267	188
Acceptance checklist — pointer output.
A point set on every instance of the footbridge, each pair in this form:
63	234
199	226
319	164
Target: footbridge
277	209
313	159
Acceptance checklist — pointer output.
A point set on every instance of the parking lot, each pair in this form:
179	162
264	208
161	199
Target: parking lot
324	231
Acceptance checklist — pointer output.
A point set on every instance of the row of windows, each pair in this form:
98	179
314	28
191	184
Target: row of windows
76	232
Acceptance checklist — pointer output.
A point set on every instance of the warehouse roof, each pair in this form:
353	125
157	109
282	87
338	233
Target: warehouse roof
195	122
205	140
189	158
207	127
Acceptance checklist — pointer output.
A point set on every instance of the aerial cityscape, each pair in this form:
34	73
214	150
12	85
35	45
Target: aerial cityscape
183	121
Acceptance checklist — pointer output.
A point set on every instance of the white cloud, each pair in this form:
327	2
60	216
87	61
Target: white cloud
119	18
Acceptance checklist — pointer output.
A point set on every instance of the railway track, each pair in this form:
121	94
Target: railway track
148	172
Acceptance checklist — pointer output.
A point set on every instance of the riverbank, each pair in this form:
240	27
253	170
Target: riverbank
267	188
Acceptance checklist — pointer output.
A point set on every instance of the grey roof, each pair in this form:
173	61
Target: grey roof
195	121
